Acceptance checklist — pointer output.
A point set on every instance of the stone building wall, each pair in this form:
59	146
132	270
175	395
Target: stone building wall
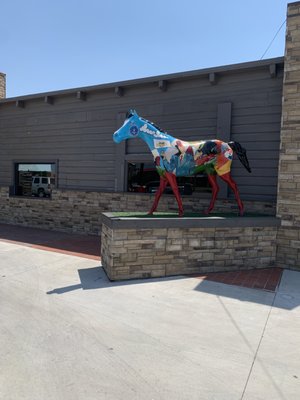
2	86
80	211
288	201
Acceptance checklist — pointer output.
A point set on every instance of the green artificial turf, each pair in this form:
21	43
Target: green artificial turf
135	214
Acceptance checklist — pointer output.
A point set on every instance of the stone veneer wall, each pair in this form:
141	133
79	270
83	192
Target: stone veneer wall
80	211
288	200
2	86
156	252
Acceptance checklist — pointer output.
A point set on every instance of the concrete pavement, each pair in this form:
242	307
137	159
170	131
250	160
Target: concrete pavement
66	332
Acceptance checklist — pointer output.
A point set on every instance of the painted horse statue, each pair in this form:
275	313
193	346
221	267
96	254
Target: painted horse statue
174	157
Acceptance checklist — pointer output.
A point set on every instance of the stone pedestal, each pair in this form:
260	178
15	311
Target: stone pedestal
157	247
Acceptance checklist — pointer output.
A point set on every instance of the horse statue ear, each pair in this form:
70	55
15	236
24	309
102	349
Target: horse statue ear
130	113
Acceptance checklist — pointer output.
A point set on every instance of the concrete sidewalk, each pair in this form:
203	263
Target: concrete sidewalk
68	333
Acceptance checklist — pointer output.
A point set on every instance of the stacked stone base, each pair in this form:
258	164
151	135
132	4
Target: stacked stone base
144	248
288	247
80	211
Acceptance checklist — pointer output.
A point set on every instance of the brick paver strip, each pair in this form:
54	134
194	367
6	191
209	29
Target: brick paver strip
264	279
60	242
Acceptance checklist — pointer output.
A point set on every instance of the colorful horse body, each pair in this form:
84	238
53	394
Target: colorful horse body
174	157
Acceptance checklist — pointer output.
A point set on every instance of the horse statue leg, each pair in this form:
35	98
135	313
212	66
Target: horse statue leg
162	185
212	180
231	183
173	183
171	179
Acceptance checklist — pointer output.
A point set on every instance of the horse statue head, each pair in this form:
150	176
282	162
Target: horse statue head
138	127
130	128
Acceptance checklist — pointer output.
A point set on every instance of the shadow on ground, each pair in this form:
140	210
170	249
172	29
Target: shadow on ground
96	278
283	297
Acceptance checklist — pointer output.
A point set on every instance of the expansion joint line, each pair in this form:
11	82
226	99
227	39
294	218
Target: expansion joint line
258	346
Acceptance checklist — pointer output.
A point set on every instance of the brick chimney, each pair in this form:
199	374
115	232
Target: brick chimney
2	85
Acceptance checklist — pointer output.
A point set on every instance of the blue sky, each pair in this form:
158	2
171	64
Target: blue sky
59	44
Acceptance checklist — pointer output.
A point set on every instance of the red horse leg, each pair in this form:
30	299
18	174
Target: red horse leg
231	183
162	185
173	183
212	180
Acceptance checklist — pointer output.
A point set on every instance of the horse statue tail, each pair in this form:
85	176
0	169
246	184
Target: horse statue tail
241	153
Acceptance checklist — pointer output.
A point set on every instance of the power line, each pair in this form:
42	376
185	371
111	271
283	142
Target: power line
273	39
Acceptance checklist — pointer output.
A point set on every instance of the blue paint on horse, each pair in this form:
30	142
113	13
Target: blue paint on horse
135	126
175	156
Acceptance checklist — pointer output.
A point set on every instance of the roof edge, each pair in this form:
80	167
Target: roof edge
150	79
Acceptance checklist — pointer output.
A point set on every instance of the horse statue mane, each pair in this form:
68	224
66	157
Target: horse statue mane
175	157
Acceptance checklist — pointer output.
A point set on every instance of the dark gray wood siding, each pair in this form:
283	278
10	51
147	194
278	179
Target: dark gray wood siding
191	113
78	134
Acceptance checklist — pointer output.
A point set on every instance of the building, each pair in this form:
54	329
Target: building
68	134
66	138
